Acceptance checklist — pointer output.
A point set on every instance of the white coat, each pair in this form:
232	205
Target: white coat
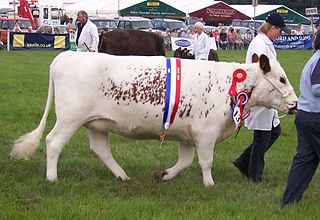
261	118
201	46
90	36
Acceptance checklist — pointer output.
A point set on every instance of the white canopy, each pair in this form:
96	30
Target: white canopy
108	8
260	9
188	6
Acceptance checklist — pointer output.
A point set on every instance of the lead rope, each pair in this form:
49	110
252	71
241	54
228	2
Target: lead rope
159	155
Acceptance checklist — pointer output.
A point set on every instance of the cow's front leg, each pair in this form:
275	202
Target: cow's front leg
186	154
205	154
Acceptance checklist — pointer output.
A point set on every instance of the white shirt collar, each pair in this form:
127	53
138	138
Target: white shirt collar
265	38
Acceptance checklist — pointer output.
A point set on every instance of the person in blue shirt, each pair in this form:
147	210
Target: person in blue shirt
307	121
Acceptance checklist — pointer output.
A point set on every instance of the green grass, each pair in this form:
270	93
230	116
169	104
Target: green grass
87	190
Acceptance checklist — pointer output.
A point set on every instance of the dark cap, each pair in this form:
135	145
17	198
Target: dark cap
276	20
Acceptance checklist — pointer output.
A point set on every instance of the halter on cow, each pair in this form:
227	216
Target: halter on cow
126	95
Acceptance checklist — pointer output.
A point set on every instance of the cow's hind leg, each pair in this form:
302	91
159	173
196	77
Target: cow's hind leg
99	143
55	142
186	155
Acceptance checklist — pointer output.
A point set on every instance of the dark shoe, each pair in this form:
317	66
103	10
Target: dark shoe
242	167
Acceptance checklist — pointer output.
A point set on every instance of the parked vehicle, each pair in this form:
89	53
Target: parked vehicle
164	23
8	22
136	23
208	29
40	14
104	23
251	24
236	22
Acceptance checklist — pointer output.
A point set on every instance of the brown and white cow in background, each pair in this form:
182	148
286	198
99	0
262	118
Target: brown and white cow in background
126	95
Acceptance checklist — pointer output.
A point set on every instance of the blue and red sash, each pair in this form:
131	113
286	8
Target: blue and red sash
173	87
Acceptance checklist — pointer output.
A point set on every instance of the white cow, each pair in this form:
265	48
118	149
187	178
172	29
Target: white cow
126	95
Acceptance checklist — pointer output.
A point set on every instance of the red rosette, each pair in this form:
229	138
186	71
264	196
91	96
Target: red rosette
239	75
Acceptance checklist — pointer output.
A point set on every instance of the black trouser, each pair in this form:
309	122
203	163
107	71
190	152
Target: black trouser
253	156
306	159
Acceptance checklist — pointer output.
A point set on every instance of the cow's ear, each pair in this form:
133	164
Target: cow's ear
255	58
265	64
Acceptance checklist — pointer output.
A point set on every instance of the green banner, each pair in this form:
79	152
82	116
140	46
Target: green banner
152	9
289	16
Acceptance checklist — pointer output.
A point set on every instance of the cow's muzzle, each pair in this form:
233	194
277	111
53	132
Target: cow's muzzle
293	110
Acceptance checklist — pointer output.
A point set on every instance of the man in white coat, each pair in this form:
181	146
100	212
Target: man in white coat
201	45
87	34
263	121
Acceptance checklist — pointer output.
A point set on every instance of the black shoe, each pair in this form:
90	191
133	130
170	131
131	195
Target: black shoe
242	167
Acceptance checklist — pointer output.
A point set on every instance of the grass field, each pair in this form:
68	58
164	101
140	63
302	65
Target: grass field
88	190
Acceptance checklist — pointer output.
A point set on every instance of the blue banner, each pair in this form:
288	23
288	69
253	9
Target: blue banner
293	42
38	41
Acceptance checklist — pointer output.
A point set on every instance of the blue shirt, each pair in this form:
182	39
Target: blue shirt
309	99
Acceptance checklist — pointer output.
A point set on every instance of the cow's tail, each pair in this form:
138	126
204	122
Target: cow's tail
26	145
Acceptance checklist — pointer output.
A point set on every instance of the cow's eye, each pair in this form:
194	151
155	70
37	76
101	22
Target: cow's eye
282	80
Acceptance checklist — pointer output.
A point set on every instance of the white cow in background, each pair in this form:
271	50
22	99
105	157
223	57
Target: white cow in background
126	95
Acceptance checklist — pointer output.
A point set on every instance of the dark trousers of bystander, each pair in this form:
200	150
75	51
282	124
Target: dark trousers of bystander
306	159
251	161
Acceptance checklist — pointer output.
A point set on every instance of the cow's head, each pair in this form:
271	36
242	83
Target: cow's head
177	52
272	88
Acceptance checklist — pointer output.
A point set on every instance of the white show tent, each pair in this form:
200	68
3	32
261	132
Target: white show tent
289	15
189	6
110	8
99	8
260	9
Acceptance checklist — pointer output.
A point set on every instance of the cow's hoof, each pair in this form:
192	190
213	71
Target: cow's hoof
160	174
51	180
123	179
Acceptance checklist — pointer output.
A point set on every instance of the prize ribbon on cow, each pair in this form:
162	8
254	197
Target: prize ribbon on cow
237	110
239	75
173	84
241	98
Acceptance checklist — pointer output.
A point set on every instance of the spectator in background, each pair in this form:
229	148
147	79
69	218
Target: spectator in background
47	30
264	122
38	30
223	39
87	34
184	33
200	44
174	33
16	27
239	40
30	30
307	121
248	36
216	35
299	29
167	39
231	38
317	27
56	30
70	26
191	34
